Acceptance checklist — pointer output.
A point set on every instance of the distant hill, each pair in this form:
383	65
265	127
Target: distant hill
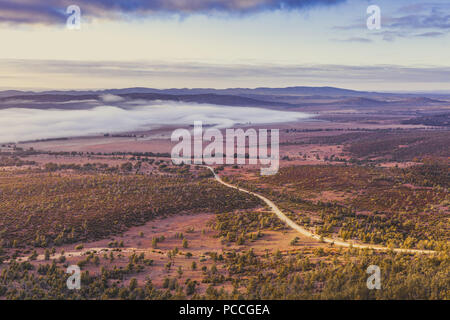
359	101
421	100
9	93
39	100
320	91
290	97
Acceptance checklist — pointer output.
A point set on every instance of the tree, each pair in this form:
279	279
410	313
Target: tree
133	284
155	243
190	287
47	254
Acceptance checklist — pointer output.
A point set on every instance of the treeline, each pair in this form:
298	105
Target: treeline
438	120
240	227
42	209
320	273
336	276
433	173
398	145
15	162
394	207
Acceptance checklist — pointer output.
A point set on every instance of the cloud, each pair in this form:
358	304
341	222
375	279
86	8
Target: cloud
433	20
424	7
430	34
111	98
391	36
53	11
31	124
355	39
148	72
429	19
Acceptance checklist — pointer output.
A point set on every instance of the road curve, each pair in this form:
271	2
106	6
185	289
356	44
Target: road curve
275	210
309	234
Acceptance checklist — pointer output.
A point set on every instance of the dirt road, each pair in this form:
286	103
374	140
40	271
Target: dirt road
309	234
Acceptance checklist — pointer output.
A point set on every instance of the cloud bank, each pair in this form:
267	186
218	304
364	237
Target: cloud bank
166	75
31	124
426	20
53	11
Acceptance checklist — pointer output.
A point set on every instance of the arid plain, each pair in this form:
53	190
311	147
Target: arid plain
140	227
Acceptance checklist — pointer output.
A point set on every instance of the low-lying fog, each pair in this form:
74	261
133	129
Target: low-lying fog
18	124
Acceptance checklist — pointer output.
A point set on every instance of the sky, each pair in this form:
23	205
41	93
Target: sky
225	43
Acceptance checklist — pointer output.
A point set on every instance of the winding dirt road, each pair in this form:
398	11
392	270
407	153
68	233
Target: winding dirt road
309	234
275	210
